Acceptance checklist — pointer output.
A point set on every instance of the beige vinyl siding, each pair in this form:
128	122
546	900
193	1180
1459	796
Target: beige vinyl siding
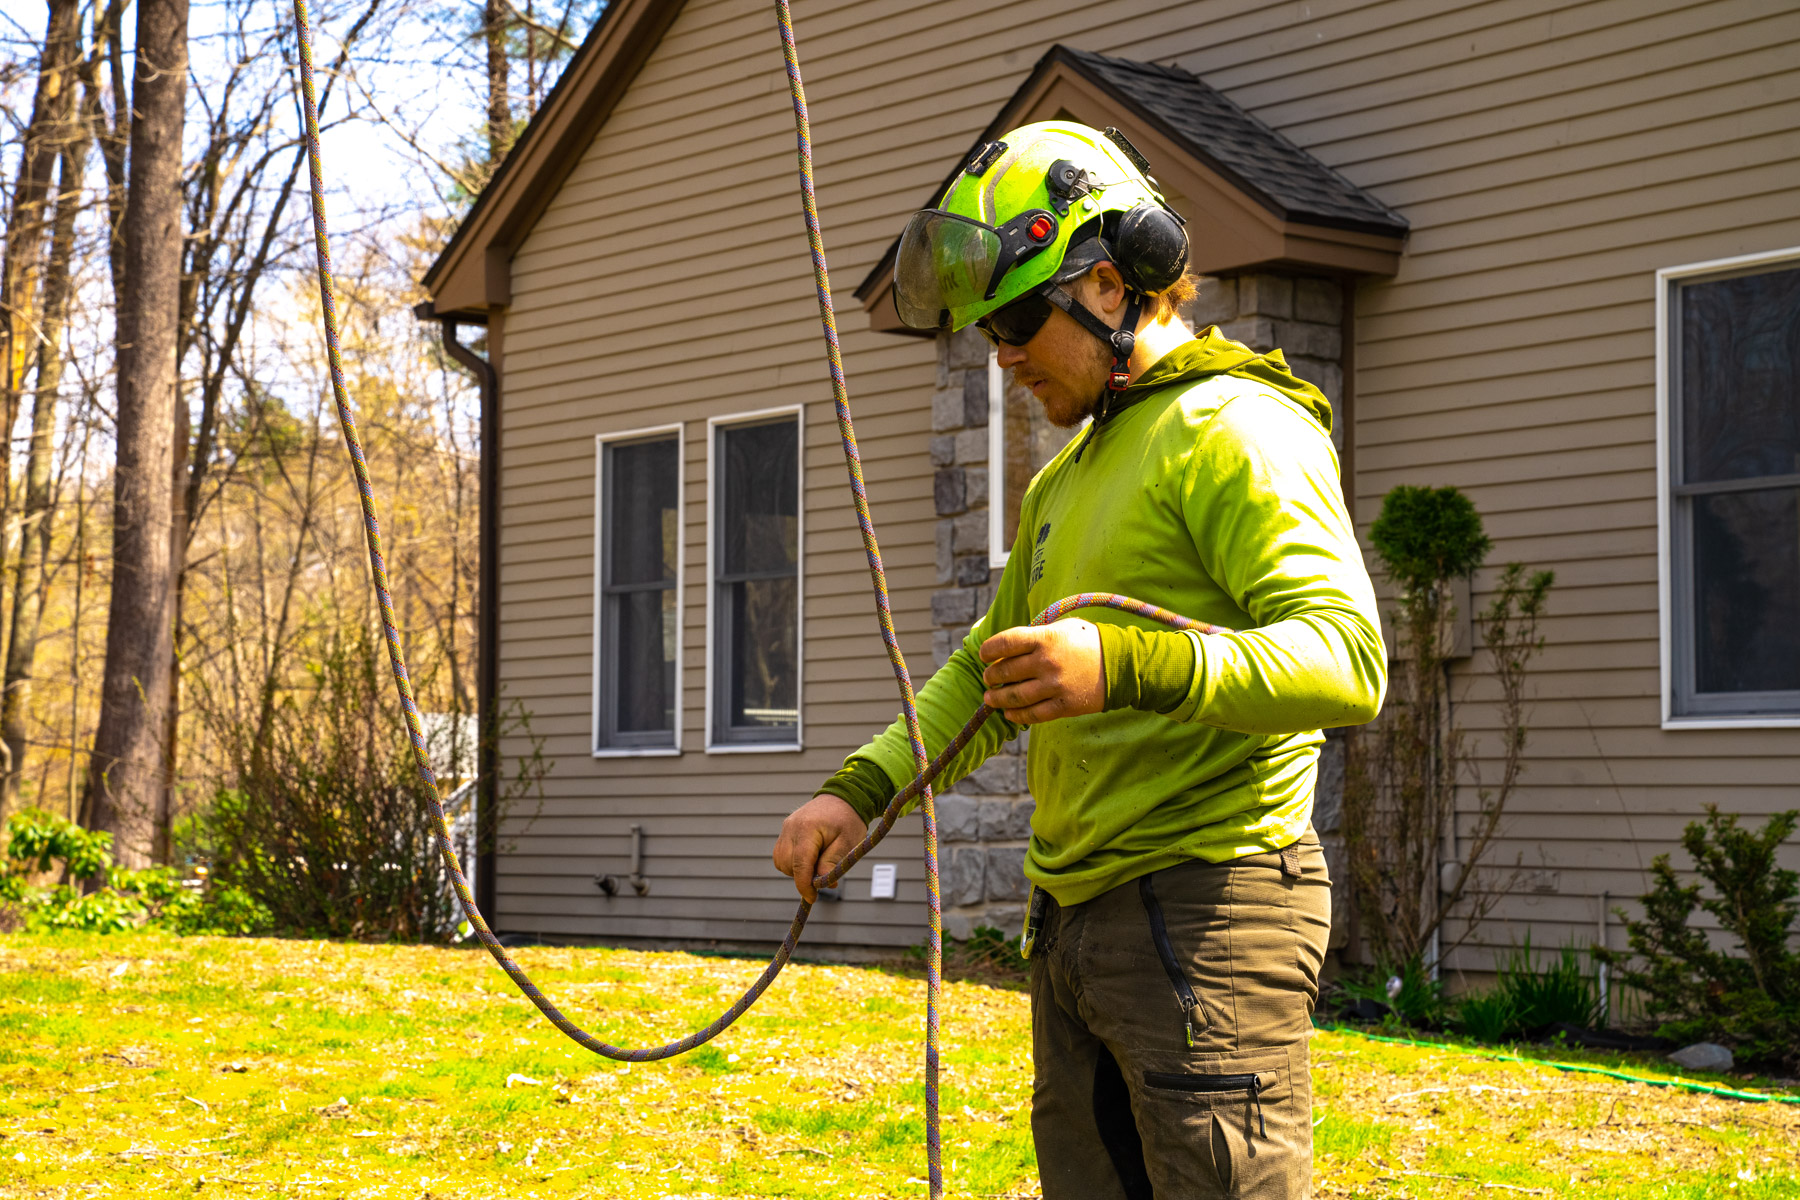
1514	356
1550	156
668	281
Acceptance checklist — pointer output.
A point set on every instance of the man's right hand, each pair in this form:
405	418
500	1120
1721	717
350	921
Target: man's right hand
815	838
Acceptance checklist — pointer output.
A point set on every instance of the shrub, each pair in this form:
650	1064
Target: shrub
1529	999
1427	535
1403	772
1561	993
1693	991
39	843
1412	997
327	826
1488	1016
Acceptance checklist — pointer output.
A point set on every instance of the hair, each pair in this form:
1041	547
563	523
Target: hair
1168	303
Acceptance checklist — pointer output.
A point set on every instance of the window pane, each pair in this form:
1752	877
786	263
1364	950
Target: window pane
1740	376
644	701
759	499
641	511
764	675
1031	442
1747	591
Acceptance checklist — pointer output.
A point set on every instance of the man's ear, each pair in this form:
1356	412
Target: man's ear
1108	290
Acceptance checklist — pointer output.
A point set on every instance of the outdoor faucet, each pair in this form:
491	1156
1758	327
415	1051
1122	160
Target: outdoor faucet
610	883
639	884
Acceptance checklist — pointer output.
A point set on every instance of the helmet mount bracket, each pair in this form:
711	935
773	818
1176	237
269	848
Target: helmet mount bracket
1066	184
983	157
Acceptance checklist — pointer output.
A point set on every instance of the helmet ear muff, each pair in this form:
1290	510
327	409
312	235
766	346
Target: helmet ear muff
1150	248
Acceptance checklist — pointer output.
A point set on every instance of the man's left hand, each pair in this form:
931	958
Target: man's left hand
1038	673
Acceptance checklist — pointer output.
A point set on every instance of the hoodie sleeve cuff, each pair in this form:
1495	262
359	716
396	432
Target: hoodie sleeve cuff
1147	669
862	785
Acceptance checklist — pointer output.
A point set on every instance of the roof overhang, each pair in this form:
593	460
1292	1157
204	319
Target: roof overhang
1232	230
474	273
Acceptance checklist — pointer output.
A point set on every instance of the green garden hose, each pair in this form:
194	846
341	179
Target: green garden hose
1705	1089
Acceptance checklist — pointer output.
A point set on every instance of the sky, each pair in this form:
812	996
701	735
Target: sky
414	94
415	79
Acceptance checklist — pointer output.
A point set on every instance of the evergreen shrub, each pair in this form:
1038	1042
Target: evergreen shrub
1748	999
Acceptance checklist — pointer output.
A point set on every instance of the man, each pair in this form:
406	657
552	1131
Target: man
1180	905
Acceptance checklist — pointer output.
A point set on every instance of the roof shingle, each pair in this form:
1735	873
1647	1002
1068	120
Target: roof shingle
1289	181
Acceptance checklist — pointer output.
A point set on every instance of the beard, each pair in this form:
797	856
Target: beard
1069	412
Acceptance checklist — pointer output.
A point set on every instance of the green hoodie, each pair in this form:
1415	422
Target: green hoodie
1211	490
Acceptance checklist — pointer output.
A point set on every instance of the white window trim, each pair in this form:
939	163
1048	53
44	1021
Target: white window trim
600	441
997	552
1666	279
798	412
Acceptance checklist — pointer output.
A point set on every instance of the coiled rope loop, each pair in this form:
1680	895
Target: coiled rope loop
928	768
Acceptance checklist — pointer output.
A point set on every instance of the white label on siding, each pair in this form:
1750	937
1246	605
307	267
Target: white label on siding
881	883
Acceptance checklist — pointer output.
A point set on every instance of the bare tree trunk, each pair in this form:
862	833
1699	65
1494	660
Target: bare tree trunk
178	544
114	137
51	109
499	113
125	779
39	502
79	556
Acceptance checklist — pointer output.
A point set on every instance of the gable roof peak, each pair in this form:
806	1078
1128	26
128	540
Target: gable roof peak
1234	142
1261	199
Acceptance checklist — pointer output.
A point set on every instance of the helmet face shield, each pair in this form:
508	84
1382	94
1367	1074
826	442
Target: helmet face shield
945	264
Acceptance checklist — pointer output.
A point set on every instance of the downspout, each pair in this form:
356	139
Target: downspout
487	600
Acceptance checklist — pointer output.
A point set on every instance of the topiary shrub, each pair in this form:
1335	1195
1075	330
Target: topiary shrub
1403	771
1428	535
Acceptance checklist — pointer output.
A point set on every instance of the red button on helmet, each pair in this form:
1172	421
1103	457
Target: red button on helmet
1041	228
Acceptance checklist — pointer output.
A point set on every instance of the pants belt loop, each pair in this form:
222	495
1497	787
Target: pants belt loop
1290	860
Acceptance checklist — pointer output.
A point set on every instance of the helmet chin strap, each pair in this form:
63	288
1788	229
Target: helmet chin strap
1121	341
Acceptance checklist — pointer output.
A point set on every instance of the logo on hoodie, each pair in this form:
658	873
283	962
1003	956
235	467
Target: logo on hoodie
1037	555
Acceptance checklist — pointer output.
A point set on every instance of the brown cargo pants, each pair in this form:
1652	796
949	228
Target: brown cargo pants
1170	1019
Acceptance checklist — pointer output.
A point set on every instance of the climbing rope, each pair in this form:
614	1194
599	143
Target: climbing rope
928	768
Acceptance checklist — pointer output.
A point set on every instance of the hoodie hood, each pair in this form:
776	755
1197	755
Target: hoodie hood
1212	353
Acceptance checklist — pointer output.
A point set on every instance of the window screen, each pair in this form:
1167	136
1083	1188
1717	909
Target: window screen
756	601
639	622
1735	379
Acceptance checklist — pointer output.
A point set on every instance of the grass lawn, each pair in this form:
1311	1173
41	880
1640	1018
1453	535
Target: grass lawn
147	1065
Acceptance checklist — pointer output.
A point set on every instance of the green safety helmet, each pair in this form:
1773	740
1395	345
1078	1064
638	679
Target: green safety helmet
1039	206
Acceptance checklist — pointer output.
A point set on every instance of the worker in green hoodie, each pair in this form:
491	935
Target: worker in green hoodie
1180	904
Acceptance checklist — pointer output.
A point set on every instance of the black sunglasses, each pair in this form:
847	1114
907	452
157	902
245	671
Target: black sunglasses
1018	322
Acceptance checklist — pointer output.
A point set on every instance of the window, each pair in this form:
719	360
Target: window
1730	390
754	683
637	623
1021	442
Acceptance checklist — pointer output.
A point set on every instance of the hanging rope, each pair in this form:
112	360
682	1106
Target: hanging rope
919	788
934	945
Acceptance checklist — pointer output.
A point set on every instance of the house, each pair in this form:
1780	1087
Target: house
1548	252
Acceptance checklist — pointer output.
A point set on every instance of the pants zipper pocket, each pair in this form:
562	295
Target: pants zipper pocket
1170	1081
1159	933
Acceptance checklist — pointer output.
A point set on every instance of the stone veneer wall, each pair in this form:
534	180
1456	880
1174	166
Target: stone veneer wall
984	822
